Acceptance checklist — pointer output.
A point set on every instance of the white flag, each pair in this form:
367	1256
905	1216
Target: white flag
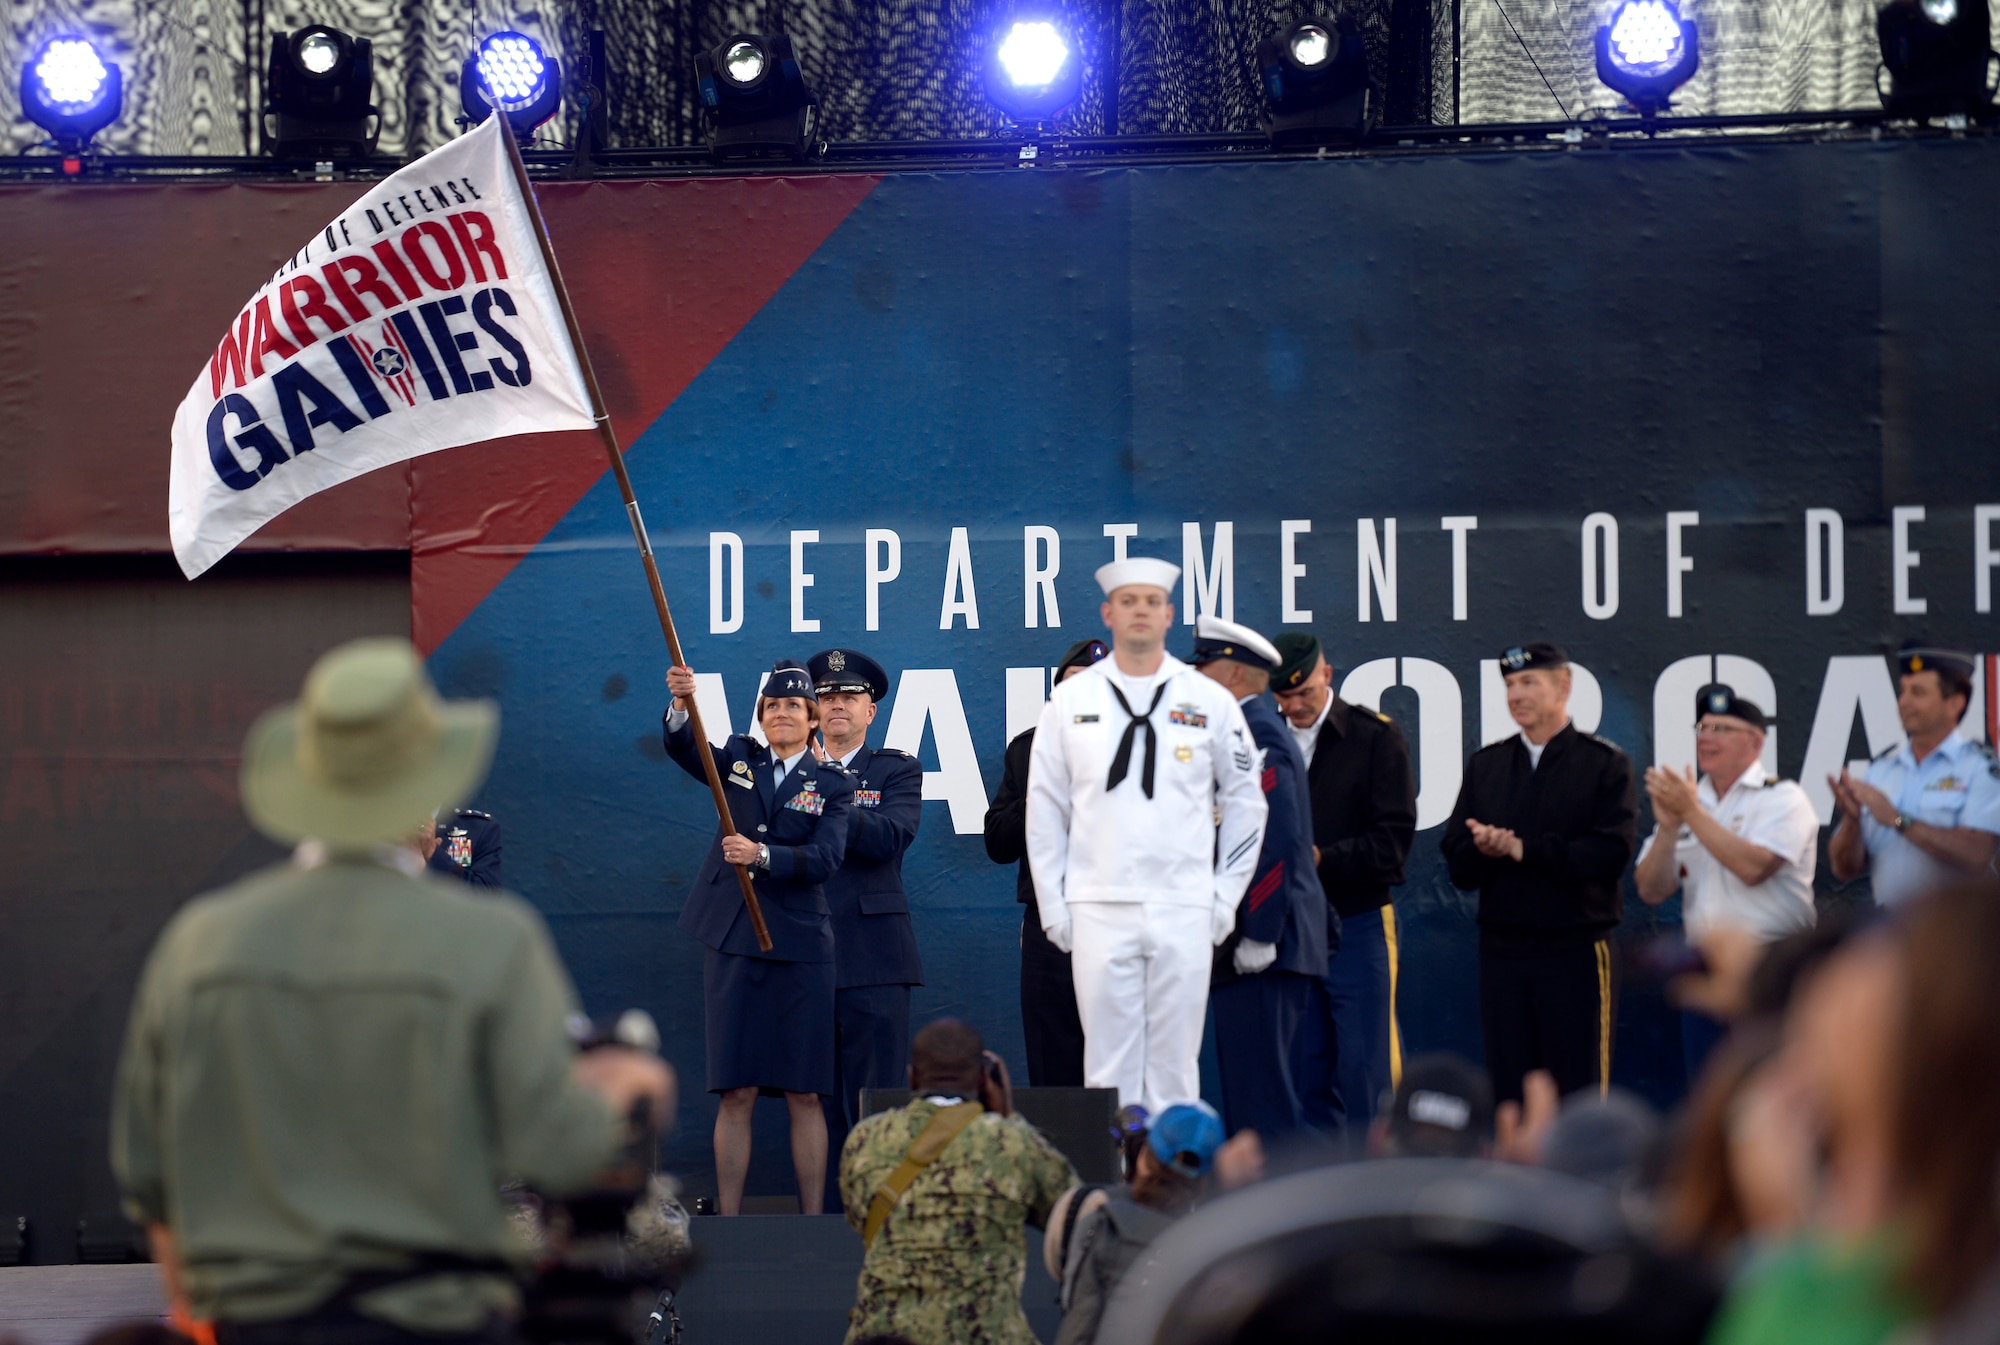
422	318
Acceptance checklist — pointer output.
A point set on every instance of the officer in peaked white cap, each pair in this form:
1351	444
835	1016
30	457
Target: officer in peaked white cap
1145	816
1927	810
1264	972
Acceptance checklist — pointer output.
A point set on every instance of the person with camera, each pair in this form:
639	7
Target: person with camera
332	1065
941	1191
769	1015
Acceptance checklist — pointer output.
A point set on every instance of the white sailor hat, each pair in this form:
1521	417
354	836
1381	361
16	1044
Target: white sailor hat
1215	638
1137	570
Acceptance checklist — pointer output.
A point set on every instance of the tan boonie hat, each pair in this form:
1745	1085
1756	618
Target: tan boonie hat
367	752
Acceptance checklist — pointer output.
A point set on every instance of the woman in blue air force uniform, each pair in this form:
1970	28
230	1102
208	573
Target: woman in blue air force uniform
769	1015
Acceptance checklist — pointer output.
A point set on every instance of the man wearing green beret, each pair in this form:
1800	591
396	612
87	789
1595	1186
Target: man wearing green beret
1364	807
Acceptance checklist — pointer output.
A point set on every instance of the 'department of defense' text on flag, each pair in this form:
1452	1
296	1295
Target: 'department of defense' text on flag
422	318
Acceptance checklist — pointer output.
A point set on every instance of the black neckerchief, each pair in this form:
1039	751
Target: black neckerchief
1122	762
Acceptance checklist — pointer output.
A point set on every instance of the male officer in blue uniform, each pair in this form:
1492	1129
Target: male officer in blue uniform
1264	973
874	947
1928	811
465	845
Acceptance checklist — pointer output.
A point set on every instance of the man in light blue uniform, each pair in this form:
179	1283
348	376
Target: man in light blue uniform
1928	812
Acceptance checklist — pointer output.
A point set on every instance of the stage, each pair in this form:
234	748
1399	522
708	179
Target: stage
760	1278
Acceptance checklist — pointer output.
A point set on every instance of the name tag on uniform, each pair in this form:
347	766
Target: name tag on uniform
1083	719
807	803
742	780
868	798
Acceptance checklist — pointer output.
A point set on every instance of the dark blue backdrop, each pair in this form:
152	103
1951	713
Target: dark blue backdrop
1742	334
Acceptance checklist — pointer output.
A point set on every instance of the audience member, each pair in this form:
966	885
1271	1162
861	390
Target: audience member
1607	1140
1443	1108
1111	1230
941	1191
1892	1046
1738	1179
332	1065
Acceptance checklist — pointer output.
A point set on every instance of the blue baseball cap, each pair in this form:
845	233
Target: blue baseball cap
1185	1137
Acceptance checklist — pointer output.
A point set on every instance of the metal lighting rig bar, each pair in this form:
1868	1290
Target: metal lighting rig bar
1041	151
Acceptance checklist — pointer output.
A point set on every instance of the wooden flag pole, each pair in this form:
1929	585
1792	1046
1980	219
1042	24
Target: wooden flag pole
617	456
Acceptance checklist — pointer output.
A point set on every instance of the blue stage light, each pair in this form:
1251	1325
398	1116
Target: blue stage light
1032	54
69	90
1033	71
1647	51
512	73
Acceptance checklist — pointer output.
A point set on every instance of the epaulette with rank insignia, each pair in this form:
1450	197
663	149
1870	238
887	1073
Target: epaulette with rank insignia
474	812
893	752
1887	752
1384	718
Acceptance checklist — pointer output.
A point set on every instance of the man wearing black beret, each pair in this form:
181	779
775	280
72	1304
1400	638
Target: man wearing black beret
1544	826
1346	1056
1049	1020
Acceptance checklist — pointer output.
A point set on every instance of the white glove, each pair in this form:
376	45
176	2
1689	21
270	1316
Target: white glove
1222	923
1058	934
1253	957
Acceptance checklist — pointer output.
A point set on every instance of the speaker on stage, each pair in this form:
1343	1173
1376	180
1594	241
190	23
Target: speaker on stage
1076	1120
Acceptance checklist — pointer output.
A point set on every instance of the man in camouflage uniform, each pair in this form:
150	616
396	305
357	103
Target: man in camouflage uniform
946	1267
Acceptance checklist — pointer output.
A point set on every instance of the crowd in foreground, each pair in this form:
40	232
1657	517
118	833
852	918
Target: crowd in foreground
1835	1177
332	1065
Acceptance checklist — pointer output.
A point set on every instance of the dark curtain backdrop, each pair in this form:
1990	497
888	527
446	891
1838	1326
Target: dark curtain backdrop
904	71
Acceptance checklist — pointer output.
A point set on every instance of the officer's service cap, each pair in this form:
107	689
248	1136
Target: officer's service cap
1534	654
1298	655
1081	655
1137	570
1719	699
1185	1137
1915	657
788	678
848	670
1215	639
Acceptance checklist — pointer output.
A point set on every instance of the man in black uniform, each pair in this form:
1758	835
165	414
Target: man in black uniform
1545	824
1364	807
875	958
464	845
1049	1019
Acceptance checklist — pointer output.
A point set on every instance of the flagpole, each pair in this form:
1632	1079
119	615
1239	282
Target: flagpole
617	456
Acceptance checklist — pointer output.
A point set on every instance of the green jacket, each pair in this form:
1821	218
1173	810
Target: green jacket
1818	1292
948	1265
330	1067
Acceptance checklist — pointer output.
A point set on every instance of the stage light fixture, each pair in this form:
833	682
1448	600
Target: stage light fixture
69	90
1033	71
317	95
511	74
756	97
1315	78
1646	51
1937	57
